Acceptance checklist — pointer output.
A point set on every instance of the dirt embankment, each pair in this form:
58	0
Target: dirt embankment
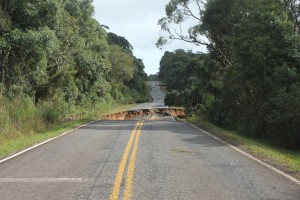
136	114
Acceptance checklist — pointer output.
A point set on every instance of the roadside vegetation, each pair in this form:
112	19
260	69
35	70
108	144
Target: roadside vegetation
60	67
249	78
248	81
26	125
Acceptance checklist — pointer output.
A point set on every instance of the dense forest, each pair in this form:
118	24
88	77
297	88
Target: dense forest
57	62
249	78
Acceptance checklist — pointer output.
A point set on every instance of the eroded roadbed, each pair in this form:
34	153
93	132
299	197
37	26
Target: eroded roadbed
147	114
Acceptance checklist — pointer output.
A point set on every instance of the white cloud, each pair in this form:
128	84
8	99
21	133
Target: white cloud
136	20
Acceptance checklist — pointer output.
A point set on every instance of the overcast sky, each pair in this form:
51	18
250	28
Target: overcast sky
136	20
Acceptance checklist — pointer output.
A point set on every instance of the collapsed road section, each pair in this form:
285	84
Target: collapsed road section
148	114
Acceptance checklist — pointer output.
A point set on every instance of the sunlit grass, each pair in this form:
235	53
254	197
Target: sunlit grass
287	160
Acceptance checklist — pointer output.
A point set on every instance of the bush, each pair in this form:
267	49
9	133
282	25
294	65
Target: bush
55	109
24	113
48	112
283	122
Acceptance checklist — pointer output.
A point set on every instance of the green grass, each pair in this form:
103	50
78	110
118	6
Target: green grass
24	140
286	160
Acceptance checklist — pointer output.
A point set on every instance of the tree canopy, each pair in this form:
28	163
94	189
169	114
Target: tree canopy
58	64
57	47
249	79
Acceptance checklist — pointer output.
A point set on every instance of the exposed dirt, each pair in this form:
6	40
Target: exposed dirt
135	114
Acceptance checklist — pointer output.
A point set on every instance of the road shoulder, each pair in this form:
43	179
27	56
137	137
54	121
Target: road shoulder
243	149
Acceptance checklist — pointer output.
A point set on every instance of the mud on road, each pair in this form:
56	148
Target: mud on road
152	113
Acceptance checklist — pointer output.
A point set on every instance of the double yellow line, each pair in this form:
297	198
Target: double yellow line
127	195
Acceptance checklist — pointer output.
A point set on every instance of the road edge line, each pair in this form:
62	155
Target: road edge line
248	155
42	143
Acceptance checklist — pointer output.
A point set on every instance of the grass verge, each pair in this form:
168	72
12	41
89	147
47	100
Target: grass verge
163	87
283	159
10	146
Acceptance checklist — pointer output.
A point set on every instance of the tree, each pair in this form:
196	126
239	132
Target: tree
5	27
252	66
122	65
32	14
114	39
177	12
293	8
55	48
192	11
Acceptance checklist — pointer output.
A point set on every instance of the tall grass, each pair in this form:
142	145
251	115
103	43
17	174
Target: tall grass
21	117
18	116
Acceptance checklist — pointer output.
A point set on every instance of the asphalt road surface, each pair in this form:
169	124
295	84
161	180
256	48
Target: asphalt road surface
157	95
151	159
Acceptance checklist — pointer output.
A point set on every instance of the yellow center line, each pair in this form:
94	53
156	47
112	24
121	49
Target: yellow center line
131	167
116	189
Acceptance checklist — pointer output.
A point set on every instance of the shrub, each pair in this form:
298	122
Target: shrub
5	121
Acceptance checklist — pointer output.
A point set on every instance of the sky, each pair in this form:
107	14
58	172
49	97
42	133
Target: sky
136	20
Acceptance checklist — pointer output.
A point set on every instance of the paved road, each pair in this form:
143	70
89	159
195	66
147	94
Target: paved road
159	159
157	95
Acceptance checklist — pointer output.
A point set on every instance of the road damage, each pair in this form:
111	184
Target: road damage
150	114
